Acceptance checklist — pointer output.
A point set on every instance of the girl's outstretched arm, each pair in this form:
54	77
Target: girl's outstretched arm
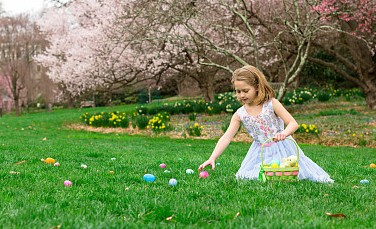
290	122
223	142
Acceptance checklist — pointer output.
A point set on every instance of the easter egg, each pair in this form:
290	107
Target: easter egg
364	181
67	183
84	166
49	160
162	166
149	178
372	165
172	182
204	174
275	161
274	165
57	164
189	171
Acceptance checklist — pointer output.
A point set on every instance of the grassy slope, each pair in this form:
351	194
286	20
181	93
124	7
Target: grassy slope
36	197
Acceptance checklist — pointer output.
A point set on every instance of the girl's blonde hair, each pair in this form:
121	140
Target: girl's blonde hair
254	77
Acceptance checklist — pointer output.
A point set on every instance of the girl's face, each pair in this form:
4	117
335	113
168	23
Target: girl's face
245	93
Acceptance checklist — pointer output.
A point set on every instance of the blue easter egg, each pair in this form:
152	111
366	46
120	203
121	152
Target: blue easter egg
364	182
172	182
275	161
149	178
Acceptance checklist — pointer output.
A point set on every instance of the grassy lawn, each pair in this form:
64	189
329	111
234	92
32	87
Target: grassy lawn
110	193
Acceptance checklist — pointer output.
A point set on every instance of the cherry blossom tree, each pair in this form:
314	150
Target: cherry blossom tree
102	45
109	44
353	42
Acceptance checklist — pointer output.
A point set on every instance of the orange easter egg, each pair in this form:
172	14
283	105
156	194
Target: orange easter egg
49	160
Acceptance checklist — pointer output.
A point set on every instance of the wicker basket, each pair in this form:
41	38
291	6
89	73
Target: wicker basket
267	173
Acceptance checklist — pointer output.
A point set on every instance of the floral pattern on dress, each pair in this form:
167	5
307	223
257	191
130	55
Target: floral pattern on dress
263	126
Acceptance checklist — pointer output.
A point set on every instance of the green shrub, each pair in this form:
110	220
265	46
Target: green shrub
106	119
194	129
192	116
299	96
323	96
142	110
199	106
213	108
308	129
187	107
159	123
141	121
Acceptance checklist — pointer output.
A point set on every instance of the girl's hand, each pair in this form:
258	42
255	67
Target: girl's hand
206	163
279	137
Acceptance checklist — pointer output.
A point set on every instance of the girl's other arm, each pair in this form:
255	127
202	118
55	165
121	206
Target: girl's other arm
290	122
223	142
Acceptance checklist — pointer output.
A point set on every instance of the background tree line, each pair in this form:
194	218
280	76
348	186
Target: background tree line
108	47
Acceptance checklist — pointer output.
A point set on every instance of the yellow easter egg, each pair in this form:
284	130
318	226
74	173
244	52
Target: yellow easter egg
373	166
275	165
49	160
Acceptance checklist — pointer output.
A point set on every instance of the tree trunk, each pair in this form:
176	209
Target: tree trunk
363	64
207	91
17	106
69	101
370	90
371	98
206	84
281	92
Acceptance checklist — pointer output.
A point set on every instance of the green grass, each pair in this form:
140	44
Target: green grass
37	198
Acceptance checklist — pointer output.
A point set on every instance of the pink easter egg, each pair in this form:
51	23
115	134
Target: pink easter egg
67	183
162	166
204	174
270	174
295	173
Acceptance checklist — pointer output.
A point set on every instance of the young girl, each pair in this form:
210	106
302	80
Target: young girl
264	117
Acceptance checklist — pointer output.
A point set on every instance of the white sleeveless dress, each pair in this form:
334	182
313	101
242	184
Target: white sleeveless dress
265	126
